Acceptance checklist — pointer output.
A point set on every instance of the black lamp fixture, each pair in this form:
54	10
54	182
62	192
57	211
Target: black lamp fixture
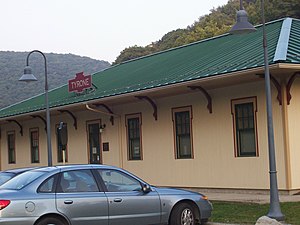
27	76
243	26
102	127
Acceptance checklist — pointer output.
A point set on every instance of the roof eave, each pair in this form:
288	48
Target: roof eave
149	91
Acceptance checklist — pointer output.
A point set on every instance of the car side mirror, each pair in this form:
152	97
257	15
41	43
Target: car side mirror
146	188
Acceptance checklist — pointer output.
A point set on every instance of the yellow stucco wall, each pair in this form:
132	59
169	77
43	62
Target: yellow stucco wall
214	164
293	110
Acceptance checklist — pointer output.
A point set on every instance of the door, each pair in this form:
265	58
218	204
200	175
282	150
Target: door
128	204
79	198
94	143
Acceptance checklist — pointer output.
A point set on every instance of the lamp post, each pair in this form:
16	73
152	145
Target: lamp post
243	26
27	77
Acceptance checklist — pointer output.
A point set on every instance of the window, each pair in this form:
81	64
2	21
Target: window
61	153
11	147
182	122
22	180
77	181
133	124
48	185
116	181
34	145
244	119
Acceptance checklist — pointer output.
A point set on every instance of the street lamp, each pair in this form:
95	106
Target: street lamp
27	77
243	26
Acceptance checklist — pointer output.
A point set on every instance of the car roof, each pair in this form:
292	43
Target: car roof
59	167
18	170
75	166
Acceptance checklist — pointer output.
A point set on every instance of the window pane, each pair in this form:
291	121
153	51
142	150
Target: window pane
245	129
183	138
77	181
134	141
247	142
11	148
22	180
34	142
116	181
4	176
47	186
184	146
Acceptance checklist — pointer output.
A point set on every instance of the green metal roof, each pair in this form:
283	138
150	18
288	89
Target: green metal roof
211	57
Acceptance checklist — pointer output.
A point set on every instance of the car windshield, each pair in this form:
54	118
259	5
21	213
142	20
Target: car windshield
22	180
5	176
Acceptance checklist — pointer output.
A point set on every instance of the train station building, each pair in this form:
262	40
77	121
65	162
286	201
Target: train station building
192	116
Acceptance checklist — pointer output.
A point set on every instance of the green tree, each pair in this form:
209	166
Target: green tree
217	22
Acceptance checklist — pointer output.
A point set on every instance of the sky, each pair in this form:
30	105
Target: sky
94	28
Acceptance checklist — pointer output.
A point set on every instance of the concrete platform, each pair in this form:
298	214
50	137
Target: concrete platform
248	197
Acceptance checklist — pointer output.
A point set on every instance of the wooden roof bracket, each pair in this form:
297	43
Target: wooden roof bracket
154	106
41	118
289	86
72	115
108	109
277	86
205	93
21	128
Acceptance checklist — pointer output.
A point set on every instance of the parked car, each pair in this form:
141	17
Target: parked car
96	194
9	174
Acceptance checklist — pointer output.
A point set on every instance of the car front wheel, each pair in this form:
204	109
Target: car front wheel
183	214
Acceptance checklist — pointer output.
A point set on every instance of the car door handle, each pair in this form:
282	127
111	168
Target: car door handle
117	200
68	202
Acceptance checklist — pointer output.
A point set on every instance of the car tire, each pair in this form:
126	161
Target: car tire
183	214
51	220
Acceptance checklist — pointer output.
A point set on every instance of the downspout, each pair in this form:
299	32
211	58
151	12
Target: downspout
119	130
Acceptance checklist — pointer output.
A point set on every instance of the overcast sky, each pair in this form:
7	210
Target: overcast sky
95	28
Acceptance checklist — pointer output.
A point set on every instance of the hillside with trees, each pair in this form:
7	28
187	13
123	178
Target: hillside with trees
218	21
61	68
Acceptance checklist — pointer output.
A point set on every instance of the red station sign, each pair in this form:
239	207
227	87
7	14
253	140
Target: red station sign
80	83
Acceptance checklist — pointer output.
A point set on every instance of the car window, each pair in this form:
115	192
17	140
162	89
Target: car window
116	181
47	186
22	180
77	181
4	176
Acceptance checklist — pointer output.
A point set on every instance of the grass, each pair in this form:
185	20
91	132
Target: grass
248	213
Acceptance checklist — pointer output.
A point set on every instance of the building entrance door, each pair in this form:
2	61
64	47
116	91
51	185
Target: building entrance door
94	143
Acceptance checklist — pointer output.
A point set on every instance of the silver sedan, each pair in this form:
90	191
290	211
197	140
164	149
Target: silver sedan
95	194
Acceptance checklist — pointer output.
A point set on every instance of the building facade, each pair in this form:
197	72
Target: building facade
193	116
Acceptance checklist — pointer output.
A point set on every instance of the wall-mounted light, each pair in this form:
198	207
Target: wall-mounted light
101	128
